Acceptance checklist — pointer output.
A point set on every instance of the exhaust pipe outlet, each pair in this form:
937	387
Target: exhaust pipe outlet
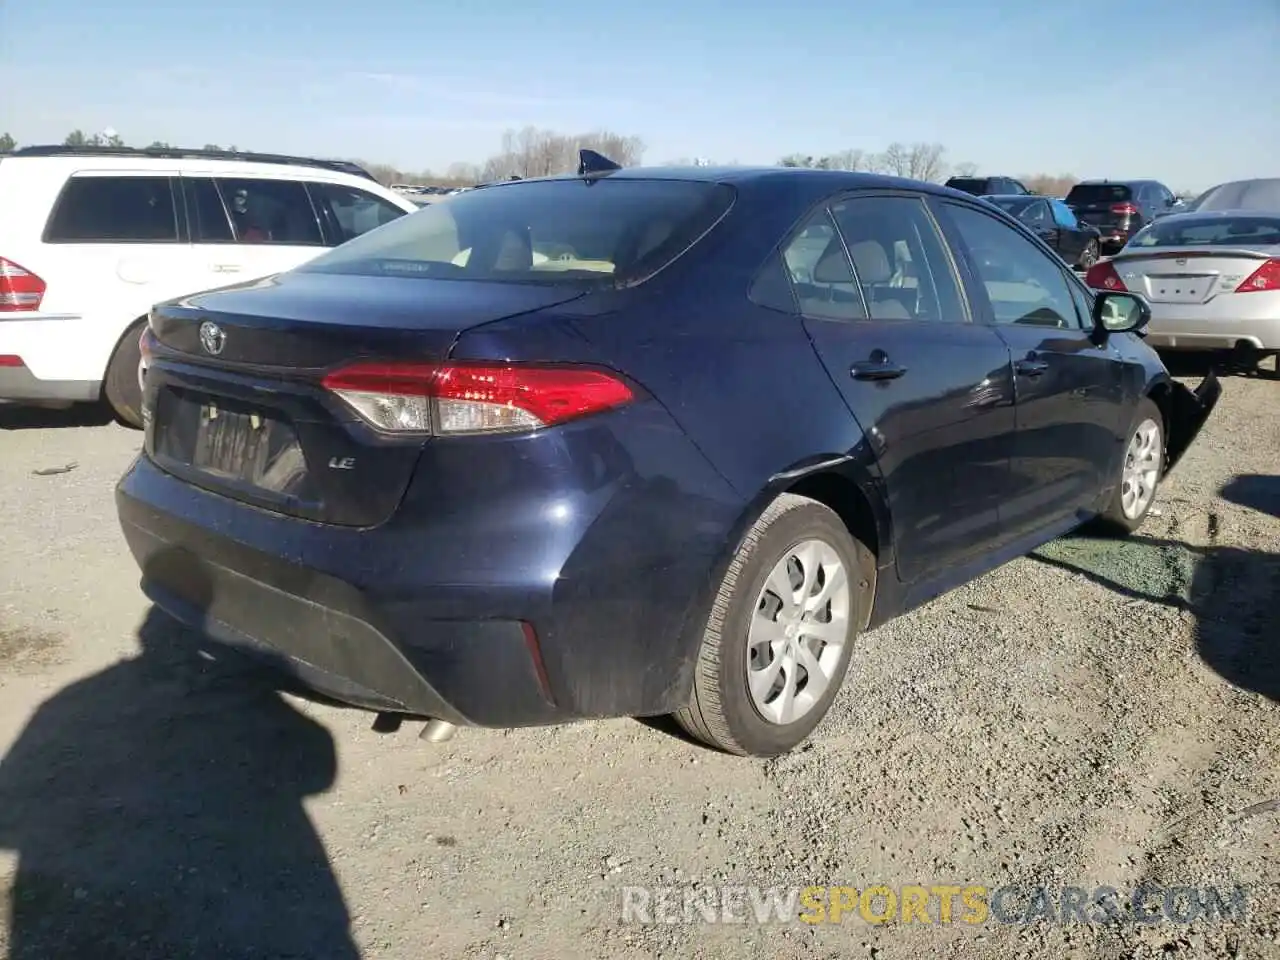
438	731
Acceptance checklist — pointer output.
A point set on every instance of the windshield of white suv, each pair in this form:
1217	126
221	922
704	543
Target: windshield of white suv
605	232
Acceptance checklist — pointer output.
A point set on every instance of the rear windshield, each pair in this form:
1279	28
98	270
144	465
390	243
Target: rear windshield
1083	193
975	185
1211	232
602	232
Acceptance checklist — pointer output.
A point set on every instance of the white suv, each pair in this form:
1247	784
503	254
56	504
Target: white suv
91	237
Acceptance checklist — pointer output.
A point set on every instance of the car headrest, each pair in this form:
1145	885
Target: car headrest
871	262
833	265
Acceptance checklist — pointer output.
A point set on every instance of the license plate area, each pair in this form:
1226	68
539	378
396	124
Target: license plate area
1179	287
234	444
231	444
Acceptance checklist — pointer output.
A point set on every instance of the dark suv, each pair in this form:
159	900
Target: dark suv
988	186
1119	208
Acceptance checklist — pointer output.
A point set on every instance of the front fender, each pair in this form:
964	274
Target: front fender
1188	411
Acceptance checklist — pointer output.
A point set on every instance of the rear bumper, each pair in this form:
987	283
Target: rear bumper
502	602
1213	334
332	636
19	383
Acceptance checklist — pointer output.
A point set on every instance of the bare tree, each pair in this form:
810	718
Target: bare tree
535	152
845	160
920	161
893	160
927	161
965	169
462	172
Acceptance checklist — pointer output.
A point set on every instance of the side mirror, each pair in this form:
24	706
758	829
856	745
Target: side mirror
1119	312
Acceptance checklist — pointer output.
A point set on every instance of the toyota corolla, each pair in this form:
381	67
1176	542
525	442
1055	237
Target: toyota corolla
635	442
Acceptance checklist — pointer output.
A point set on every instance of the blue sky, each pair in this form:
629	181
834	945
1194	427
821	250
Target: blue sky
1184	91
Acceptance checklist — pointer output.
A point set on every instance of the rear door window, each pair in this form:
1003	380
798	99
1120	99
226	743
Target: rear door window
114	209
820	272
270	212
351	211
208	216
898	258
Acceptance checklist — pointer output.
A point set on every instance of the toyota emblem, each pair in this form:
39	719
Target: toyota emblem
212	338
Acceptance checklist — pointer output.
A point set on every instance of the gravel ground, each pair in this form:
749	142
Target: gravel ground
1098	714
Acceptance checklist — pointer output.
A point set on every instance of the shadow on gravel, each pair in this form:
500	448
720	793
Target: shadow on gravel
1234	594
156	809
1255	491
15	416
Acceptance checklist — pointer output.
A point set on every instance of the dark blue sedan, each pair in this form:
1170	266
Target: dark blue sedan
635	442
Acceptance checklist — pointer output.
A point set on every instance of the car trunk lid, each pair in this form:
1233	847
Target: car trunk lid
234	400
1188	274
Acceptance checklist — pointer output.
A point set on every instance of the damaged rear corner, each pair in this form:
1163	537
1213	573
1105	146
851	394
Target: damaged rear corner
1188	411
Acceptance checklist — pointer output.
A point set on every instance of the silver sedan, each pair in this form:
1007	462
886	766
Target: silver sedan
1212	279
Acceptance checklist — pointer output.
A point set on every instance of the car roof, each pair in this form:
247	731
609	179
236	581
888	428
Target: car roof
1114	183
817	182
123	158
1015	196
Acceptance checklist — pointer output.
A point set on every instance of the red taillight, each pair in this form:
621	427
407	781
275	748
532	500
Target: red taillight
8	360
465	397
1124	209
20	289
1266	277
1103	276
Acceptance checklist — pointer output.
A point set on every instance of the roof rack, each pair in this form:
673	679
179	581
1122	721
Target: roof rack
178	153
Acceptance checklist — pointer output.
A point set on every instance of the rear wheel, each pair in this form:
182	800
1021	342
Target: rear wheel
1140	472
121	386
780	634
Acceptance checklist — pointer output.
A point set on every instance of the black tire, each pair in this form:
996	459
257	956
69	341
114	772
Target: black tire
1114	520
721	712
1088	256
120	387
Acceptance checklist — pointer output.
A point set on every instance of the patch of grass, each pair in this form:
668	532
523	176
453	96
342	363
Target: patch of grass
1159	571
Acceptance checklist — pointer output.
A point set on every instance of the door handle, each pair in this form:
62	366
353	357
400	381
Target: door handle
877	367
226	268
1030	367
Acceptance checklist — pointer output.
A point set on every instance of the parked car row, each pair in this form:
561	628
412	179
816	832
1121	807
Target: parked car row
1211	273
1096	217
